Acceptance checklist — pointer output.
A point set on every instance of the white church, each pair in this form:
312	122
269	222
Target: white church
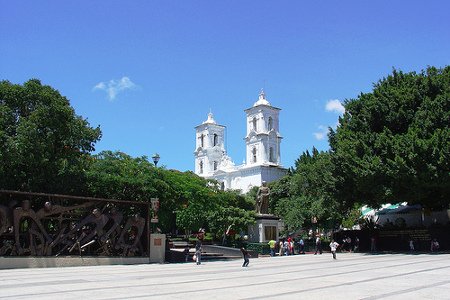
262	143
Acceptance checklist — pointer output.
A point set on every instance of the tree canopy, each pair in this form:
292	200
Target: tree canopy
187	201
393	144
44	145
305	196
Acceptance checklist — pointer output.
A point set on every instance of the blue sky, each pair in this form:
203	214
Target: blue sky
148	72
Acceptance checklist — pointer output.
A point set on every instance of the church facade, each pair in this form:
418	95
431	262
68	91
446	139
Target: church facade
262	142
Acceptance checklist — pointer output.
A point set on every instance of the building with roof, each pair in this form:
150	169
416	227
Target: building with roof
262	142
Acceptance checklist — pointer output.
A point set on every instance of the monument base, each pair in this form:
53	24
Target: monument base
157	248
266	228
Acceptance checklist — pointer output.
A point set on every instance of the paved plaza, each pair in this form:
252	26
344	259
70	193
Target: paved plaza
351	276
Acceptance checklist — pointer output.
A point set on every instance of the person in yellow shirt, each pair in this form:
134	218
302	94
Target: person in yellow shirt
272	244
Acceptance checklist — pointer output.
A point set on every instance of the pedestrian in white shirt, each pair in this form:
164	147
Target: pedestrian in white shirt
333	247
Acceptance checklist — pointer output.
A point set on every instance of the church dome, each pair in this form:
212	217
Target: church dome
210	119
261	99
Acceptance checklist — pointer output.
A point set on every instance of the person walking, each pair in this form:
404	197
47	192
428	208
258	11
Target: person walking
318	245
272	244
333	247
292	247
356	247
286	247
186	253
198	252
348	240
301	249
434	245
411	245
281	244
289	241
246	257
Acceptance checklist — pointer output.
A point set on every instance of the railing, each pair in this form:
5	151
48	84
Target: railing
37	224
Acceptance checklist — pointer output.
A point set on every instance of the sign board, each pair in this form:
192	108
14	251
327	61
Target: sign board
155	204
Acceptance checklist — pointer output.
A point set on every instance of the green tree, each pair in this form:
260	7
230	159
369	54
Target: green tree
306	194
231	210
44	145
117	175
194	197
279	189
352	217
216	210
187	201
393	144
293	211
313	178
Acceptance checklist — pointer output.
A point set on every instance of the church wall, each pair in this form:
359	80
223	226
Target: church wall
246	178
246	182
270	174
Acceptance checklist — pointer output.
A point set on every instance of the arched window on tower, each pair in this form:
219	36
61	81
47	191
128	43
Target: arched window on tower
215	165
270	124
202	140
271	158
254	124
201	167
254	154
215	140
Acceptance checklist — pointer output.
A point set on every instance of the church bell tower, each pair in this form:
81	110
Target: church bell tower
210	146
263	138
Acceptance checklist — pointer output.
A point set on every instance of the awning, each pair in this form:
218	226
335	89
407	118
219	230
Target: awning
388	209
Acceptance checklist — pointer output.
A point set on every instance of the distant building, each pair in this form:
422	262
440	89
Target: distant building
263	160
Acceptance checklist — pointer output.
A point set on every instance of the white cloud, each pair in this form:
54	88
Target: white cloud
321	133
335	105
115	86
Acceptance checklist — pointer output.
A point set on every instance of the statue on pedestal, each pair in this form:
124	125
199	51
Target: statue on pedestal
262	199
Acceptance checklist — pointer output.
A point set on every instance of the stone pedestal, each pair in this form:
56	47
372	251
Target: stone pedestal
267	228
157	248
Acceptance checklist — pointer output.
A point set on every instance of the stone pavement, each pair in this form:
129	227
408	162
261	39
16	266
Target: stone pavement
351	276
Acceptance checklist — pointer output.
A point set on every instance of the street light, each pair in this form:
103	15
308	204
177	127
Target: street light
155	158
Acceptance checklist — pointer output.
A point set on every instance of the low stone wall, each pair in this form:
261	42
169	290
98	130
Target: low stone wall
64	261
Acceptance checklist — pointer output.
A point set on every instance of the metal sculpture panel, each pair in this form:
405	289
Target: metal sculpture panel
52	225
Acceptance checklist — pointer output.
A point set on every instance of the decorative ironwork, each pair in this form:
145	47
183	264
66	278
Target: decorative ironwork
36	224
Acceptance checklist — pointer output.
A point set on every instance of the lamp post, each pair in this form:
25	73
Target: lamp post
155	158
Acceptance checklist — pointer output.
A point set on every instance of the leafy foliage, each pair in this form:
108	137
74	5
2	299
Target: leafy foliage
44	145
306	195
187	201
222	218
352	217
393	144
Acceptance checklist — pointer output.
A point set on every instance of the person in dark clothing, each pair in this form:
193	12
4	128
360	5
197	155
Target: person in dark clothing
318	245
246	257
356	247
198	252
186	253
